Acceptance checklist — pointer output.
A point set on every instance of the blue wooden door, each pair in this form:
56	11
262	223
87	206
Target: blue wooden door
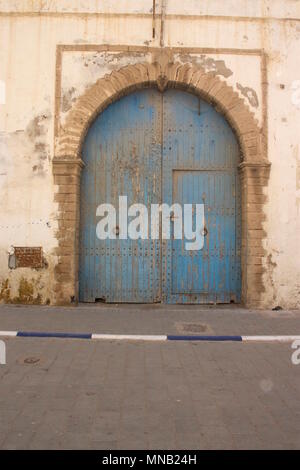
122	156
200	158
161	148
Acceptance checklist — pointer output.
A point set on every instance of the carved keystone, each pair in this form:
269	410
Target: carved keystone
162	82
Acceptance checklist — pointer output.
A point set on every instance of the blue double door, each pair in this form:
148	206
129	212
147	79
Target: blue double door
155	148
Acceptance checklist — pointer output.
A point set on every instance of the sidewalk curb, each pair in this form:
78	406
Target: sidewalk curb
96	336
203	338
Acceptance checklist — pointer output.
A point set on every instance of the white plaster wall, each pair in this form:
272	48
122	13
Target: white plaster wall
29	34
283	209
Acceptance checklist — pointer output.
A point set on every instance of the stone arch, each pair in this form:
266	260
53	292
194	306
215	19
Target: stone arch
189	77
67	163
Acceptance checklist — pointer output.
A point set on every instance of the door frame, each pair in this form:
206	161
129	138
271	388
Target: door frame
254	168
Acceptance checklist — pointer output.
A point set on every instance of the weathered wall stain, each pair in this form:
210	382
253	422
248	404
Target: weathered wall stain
36	132
270	268
216	66
36	126
111	60
5	291
249	93
26	293
67	99
34	145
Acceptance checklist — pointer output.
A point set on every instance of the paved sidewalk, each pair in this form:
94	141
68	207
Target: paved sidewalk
76	394
150	319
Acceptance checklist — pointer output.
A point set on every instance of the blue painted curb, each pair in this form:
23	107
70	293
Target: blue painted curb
39	334
204	338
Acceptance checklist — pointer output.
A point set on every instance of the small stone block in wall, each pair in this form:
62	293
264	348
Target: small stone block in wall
28	257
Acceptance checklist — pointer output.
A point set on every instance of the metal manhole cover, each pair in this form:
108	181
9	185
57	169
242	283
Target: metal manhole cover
196	328
31	360
186	327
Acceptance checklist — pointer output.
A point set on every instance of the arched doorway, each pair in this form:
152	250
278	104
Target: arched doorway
154	148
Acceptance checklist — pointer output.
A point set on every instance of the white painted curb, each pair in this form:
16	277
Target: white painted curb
131	337
271	339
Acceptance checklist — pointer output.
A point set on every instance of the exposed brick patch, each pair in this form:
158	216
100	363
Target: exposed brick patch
29	257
